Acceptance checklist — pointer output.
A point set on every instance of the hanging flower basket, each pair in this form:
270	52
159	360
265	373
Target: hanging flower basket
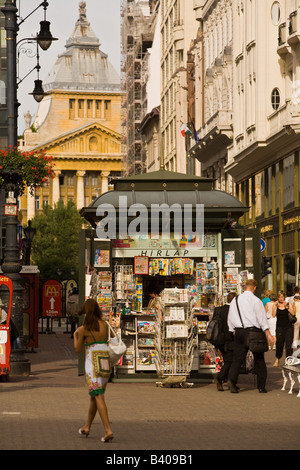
19	170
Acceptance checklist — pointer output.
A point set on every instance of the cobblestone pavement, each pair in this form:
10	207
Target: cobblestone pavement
45	410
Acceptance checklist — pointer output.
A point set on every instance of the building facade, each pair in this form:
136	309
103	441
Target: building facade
78	124
178	29
264	155
245	60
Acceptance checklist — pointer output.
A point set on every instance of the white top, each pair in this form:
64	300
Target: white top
252	312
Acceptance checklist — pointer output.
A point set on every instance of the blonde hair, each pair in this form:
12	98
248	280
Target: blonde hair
251	283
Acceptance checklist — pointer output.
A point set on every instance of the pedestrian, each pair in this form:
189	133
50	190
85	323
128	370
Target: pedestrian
3	313
296	311
271	320
253	315
94	335
296	291
226	349
284	327
266	297
72	309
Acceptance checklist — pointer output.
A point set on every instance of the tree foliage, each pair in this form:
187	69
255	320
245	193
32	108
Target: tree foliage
56	242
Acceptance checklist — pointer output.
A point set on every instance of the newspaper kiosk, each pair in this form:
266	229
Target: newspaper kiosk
120	271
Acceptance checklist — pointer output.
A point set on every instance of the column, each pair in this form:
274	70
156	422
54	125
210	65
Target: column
30	205
104	181
80	189
55	188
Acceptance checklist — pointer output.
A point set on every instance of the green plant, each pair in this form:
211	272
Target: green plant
24	169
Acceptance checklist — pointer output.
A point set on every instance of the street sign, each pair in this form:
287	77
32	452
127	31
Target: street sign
262	244
52	299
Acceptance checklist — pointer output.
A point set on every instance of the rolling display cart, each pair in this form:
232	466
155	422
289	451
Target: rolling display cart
174	339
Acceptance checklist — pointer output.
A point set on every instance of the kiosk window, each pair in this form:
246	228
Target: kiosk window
232	252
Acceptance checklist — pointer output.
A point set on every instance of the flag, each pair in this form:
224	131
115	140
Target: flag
195	135
185	130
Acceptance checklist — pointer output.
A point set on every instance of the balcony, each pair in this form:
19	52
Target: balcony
198	8
283	48
294	29
178	34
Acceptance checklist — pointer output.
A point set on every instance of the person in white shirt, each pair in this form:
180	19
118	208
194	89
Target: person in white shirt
253	315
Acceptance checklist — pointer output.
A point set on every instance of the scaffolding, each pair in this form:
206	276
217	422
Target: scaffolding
136	39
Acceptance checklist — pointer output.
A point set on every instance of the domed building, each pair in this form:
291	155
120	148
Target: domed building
77	123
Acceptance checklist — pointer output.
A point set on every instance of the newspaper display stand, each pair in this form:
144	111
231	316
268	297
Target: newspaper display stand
174	338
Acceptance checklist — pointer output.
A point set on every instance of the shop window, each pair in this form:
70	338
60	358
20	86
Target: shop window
269	189
259	195
288	182
275	99
277	190
289	273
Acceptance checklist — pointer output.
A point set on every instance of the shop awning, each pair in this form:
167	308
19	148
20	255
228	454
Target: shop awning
220	208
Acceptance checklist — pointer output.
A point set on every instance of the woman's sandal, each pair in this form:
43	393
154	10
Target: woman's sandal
107	438
83	432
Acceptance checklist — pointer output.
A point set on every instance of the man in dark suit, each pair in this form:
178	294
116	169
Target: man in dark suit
226	348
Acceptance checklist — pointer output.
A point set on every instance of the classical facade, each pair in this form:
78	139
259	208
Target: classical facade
78	123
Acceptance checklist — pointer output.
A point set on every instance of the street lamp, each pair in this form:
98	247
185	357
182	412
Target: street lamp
12	266
29	233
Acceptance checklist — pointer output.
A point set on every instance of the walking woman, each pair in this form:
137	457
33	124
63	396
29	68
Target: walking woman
284	328
94	334
296	310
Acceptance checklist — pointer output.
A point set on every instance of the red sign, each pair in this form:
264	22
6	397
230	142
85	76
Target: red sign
52	299
4	331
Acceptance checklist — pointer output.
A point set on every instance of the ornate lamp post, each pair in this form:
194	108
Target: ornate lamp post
29	233
12	266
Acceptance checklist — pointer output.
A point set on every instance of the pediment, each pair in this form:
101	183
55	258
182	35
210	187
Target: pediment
89	139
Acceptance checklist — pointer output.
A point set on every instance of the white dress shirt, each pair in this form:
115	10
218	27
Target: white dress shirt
252	312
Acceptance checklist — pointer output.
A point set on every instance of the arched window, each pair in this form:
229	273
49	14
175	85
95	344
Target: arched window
275	98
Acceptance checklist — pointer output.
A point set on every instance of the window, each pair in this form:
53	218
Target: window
98	108
70	179
275	13
37	203
89	108
81	108
288	182
270	192
71	109
275	98
61	179
107	109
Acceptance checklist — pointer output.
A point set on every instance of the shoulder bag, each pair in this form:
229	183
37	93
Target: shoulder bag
256	341
116	347
292	317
